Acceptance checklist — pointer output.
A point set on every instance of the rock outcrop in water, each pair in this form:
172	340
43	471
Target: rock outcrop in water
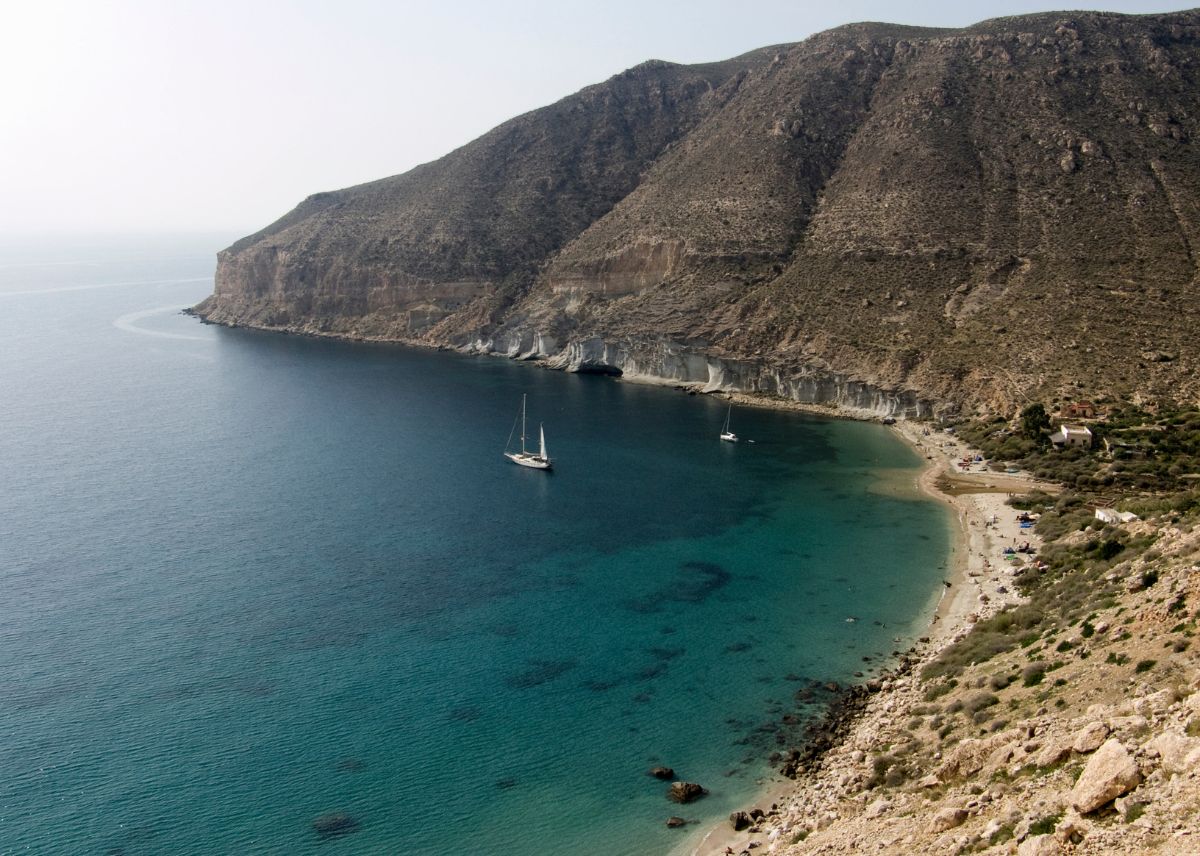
878	217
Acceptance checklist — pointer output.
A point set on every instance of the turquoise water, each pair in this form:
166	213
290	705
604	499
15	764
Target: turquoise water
252	579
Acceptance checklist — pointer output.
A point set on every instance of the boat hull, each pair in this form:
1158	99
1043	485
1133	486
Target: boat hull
536	462
729	437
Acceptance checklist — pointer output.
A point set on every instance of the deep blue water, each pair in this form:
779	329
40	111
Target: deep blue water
250	579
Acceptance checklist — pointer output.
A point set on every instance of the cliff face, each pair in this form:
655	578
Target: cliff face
465	234
879	216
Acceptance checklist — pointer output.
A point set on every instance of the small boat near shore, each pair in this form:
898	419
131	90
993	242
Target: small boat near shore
727	435
538	460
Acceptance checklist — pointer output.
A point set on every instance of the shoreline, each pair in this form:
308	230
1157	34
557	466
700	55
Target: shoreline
978	585
974	590
833	409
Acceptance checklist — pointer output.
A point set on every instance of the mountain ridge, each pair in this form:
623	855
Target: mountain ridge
887	217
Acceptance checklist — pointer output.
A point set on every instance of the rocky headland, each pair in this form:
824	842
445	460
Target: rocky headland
883	217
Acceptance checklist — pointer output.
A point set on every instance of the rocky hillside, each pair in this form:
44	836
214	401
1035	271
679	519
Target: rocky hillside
878	216
1067	720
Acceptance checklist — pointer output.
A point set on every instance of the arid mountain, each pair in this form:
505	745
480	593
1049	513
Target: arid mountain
879	216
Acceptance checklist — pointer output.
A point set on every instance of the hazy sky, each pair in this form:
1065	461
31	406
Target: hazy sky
175	115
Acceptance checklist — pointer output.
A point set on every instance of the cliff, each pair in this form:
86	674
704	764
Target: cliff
879	216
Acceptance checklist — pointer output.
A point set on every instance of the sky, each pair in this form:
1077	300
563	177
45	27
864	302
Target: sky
177	115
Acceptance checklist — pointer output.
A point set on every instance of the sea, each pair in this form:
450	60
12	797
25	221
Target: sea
265	593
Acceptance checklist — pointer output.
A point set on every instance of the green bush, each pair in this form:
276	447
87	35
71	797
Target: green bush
1004	833
1045	825
988	638
1109	548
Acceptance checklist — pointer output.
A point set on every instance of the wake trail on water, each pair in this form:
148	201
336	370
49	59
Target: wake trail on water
128	322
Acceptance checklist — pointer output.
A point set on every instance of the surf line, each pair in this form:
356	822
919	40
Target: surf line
128	322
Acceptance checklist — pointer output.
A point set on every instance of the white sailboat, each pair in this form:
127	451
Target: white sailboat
539	460
727	435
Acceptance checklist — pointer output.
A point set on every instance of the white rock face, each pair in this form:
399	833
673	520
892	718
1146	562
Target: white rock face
1110	773
663	360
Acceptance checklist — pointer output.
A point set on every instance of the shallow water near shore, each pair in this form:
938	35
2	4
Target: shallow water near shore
253	579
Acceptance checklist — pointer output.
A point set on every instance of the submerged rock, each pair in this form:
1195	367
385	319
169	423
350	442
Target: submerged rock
674	822
334	823
685	792
664	773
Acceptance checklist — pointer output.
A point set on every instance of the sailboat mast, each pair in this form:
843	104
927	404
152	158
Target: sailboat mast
523	424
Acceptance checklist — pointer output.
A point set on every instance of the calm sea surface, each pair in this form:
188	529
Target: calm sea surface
247	580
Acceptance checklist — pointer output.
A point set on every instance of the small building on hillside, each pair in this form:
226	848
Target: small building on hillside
1080	410
1111	515
1068	436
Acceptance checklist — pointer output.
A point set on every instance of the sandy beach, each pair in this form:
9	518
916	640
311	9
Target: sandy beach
979	584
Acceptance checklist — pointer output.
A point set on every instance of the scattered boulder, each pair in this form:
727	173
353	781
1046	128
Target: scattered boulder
1110	773
969	756
948	818
1090	738
1154	703
1070	829
1055	750
877	808
1127	807
1176	753
664	773
685	792
740	820
1039	845
1127	726
334	823
674	822
1158	356
1001	757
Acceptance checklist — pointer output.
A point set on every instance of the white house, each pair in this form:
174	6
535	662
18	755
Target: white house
1072	435
1111	515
